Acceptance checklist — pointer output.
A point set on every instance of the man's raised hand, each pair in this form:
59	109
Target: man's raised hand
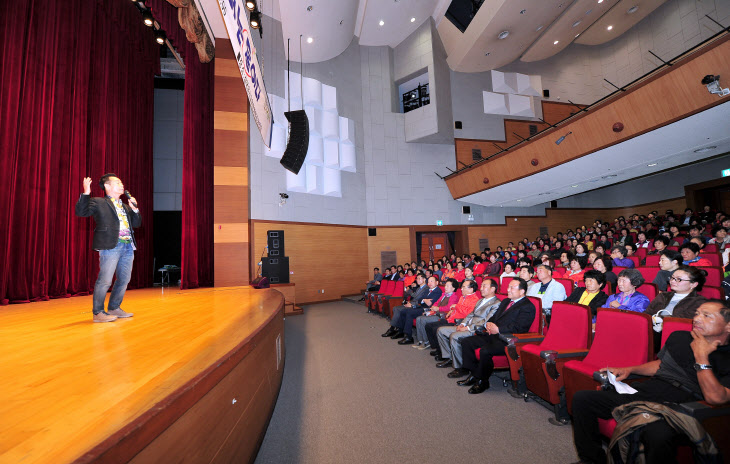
87	185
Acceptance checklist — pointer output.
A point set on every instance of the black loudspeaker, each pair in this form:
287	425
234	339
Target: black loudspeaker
275	240
276	269
457	125
554	204
296	148
466	210
372	232
260	282
546	93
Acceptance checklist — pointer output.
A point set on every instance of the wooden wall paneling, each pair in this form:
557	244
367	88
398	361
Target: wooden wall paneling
672	94
321	256
231	186
396	239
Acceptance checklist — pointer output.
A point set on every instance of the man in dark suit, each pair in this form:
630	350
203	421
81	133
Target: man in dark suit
403	316
515	315
113	239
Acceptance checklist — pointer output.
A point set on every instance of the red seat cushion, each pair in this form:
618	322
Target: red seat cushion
606	427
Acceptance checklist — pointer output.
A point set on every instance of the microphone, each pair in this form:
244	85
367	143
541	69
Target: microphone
126	192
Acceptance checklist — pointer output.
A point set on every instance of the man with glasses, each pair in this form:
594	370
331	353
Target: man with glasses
114	240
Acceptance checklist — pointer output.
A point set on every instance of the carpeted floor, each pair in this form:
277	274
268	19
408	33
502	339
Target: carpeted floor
350	396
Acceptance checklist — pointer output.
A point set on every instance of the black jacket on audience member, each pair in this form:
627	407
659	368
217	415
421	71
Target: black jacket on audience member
597	301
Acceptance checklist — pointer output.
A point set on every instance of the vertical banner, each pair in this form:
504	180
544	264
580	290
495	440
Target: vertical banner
239	31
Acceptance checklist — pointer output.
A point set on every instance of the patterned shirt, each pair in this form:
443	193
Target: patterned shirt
125	234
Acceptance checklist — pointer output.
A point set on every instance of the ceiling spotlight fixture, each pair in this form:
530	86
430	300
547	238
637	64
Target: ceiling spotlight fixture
250	5
713	85
160	36
413	20
609	27
600	1
576	23
503	35
310	8
255	20
487	54
310	40
556	42
652	164
632	10
382	23
705	149
539	28
522	12
147	18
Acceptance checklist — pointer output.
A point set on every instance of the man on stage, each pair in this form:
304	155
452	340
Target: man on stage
113	239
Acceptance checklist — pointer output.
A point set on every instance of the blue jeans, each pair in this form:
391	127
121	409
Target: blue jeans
119	259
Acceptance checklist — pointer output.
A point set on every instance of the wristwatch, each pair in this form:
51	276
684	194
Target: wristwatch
702	367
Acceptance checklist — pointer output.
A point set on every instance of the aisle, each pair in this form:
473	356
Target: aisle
349	395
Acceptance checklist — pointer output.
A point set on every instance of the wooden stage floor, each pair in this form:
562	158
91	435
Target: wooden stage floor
68	384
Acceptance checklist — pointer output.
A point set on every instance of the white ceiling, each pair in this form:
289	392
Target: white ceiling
668	146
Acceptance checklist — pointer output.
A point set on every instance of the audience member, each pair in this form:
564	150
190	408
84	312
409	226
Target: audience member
577	269
456	313
494	268
548	290
508	272
526	273
618	254
590	295
690	255
669	261
438	310
628	298
395	330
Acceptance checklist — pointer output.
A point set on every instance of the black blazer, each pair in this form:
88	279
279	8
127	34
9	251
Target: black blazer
597	302
518	319
106	233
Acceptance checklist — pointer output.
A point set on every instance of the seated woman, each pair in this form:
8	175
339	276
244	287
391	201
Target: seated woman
591	295
690	252
565	258
628	298
508	272
448	272
660	244
437	311
576	269
580	250
409	278
508	259
604	265
682	300
534	251
459	274
592	256
494	267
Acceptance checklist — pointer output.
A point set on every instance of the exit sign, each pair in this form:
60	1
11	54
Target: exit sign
440	222
726	173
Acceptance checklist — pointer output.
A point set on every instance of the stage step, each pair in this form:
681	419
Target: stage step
290	309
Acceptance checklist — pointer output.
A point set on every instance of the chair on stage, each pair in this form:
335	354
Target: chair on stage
622	338
569	338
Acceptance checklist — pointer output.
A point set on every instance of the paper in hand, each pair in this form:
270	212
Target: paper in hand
620	387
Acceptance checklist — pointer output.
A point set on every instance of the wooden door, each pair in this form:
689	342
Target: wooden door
434	246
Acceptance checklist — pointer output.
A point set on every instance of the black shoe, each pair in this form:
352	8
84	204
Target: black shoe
458	372
446	363
439	358
397	335
514	393
479	387
467	382
389	332
433	352
406	341
559	422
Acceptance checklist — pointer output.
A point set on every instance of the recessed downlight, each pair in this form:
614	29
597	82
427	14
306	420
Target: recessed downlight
519	200
487	54
652	164
556	42
413	20
310	8
310	40
609	27
503	35
381	23
600	1
632	10
574	186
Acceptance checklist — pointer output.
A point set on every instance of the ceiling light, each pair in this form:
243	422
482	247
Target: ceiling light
556	42
576	23
522	12
382	23
600	1
576	36
251	5
519	200
632	10
539	28
310	40
574	186
609	27
652	164
705	149
147	18
160	36
413	20
310	8
503	35
255	20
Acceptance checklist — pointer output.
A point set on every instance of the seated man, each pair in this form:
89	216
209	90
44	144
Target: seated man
618	254
422	289
438	310
548	290
515	315
403	320
448	336
690	365
456	313
695	232
374	284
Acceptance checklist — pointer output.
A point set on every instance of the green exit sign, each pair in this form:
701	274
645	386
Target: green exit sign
440	222
726	173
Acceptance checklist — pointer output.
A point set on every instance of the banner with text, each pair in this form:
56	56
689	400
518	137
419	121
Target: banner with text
239	31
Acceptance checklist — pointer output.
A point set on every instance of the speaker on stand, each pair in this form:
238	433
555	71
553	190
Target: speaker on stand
275	267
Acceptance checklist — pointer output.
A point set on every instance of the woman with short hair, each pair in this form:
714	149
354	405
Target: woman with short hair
628	298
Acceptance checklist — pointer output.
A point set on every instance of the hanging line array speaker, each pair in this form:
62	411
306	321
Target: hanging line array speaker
296	148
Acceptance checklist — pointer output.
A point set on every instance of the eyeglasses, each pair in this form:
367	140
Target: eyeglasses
677	279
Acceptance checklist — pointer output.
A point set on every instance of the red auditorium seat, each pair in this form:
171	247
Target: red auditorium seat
559	272
710	248
617	269
641	254
386	288
568	284
649	289
569	338
675	248
652	260
479	280
387	303
713	293
714	276
714	258
635	259
649	273
622	338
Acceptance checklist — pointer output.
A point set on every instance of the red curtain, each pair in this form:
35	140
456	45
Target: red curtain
76	100
197	182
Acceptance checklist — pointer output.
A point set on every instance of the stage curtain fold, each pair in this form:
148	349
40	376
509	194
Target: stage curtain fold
76	100
197	182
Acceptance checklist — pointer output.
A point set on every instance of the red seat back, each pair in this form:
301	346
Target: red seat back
622	338
567	283
675	248
649	289
712	293
398	289
479	280
711	248
652	260
535	327
714	276
714	258
635	259
672	324
617	269
570	327
505	282
649	273
641	254
387	287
